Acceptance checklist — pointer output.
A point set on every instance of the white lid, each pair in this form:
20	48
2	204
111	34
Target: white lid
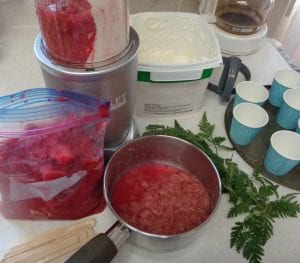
175	46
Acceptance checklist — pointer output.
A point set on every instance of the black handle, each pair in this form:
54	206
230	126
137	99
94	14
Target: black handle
233	70
98	249
232	66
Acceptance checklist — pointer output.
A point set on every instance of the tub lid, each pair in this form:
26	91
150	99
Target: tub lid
175	45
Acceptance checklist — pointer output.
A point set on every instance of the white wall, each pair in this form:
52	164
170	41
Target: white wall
278	16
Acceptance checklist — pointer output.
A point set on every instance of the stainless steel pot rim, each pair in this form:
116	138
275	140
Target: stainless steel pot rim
132	228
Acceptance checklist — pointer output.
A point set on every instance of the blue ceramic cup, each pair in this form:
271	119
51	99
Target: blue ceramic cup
247	121
250	91
283	153
283	80
289	112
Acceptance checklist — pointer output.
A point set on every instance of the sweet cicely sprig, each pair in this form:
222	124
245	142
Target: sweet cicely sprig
253	197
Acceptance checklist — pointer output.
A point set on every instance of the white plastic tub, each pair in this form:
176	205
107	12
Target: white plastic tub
178	52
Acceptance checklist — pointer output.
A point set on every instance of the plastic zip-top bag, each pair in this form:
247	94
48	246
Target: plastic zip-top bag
51	154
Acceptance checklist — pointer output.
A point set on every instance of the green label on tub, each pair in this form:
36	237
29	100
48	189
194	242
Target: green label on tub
145	76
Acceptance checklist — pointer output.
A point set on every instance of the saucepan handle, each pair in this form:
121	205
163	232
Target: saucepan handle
98	249
103	247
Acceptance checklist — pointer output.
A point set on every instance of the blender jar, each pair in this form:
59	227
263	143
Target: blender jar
83	32
242	17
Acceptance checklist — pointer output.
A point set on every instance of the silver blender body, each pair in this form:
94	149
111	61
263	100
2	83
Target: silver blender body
114	80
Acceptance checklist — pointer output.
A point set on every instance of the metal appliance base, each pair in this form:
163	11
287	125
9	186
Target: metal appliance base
132	134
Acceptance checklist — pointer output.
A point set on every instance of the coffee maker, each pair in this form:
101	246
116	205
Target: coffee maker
240	26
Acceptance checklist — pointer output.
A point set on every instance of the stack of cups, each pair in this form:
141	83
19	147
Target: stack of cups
249	117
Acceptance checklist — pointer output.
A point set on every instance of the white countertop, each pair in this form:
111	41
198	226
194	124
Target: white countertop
20	70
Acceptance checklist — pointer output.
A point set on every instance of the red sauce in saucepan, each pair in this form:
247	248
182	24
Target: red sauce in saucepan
160	199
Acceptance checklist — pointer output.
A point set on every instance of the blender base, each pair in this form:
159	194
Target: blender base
132	134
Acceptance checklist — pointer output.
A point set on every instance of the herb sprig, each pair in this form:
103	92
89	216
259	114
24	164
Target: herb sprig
254	197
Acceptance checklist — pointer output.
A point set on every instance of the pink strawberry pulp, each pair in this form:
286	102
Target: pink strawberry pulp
68	29
45	159
160	199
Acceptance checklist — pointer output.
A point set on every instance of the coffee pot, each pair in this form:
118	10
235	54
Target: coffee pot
239	25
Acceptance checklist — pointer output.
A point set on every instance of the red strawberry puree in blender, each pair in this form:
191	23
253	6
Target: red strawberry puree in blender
83	31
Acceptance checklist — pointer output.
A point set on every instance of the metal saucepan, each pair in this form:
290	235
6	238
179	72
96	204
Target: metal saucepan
158	148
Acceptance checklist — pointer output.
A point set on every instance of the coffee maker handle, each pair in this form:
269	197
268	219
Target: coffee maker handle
232	66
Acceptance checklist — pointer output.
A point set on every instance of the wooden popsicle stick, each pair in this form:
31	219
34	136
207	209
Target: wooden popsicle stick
52	246
53	250
39	239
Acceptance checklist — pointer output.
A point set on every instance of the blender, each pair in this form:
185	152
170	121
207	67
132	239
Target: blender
88	47
240	26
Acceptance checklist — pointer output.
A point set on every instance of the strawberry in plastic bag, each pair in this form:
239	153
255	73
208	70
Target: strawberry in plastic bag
51	154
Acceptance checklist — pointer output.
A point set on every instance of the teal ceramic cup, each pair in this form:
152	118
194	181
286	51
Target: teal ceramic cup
283	80
298	127
289	112
248	119
283	153
250	91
